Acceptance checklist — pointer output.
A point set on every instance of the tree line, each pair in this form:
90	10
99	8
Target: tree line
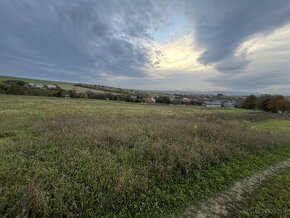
267	103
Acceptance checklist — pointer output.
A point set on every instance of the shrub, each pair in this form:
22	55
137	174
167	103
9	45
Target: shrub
4	88
278	103
163	100
262	103
84	95
249	102
15	82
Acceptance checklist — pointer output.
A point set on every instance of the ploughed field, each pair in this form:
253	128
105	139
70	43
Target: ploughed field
79	157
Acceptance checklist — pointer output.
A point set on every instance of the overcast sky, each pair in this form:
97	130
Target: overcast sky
203	45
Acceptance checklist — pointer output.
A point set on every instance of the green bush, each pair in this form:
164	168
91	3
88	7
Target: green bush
249	102
278	103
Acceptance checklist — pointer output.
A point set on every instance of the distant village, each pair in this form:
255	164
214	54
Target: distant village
40	86
194	101
29	88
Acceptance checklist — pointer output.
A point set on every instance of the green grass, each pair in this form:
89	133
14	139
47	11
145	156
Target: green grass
71	86
271	199
64	85
81	157
14	107
44	82
275	126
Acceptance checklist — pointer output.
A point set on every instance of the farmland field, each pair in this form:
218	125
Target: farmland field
86	158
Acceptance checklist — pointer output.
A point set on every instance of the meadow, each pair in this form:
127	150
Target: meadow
96	158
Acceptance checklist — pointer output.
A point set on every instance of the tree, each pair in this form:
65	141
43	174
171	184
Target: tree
283	105
262	102
72	93
15	82
4	88
84	95
278	103
163	100
249	102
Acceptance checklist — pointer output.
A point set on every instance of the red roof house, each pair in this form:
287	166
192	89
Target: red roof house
150	100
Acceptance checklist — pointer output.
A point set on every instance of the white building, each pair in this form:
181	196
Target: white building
39	86
212	104
185	100
229	105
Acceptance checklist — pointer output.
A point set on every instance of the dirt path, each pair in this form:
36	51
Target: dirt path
219	205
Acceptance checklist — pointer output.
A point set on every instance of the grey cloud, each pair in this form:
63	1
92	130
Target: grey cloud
254	81
83	40
83	36
232	64
221	26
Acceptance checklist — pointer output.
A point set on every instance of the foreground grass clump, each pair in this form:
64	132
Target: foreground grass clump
117	162
271	199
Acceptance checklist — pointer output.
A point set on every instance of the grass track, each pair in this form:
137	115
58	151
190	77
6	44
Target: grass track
269	199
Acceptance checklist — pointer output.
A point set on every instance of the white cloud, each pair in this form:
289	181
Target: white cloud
176	56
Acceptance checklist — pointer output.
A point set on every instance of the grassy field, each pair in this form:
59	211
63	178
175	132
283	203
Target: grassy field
82	157
275	126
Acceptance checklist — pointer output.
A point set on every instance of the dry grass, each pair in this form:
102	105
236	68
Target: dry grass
87	165
80	157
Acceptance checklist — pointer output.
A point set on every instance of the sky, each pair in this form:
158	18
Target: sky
190	45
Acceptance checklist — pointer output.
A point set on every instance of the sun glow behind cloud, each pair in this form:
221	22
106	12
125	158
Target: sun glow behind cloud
178	55
151	45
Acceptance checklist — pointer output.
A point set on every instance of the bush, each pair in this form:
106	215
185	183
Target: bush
249	102
163	100
84	95
262	103
4	88
278	103
15	82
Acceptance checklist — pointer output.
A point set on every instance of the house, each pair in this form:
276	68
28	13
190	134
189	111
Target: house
229	105
50	86
31	84
39	86
185	100
150	100
212	104
66	96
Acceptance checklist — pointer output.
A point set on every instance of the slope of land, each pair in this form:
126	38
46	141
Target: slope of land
79	87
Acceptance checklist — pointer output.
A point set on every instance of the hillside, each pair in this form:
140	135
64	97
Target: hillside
79	87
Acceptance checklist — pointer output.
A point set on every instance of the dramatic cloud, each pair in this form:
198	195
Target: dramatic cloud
90	37
169	44
270	68
221	26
